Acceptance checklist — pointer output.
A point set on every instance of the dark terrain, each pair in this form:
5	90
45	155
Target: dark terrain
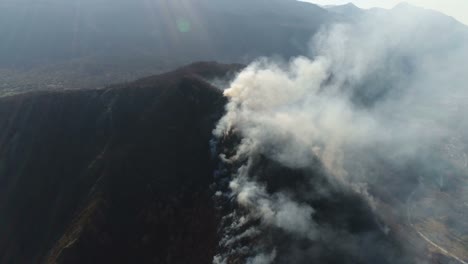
117	175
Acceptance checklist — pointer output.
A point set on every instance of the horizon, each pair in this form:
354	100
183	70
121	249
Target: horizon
457	9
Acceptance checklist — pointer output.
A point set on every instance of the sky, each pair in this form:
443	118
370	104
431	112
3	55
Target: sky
455	8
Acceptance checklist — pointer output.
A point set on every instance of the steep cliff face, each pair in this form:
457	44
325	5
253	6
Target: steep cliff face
117	175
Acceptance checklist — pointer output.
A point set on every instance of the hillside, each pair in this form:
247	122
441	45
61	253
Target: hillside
125	175
117	175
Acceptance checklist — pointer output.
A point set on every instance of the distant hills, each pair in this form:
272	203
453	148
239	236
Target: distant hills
348	9
51	44
82	44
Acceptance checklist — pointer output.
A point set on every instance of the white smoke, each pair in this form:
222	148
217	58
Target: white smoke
393	85
262	258
276	210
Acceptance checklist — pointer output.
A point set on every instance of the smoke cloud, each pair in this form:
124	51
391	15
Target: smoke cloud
375	115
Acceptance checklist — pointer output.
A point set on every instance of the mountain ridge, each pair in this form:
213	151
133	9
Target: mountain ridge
103	175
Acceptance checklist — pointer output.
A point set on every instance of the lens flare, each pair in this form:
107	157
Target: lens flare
184	25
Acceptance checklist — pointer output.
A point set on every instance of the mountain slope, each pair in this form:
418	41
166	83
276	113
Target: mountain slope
118	175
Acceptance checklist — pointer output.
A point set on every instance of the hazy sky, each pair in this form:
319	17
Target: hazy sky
455	8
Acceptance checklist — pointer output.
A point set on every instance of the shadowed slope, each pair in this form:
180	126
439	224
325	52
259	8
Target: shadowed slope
118	175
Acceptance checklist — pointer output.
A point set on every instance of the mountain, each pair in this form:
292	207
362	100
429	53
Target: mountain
133	172
82	44
349	10
116	175
125	175
52	44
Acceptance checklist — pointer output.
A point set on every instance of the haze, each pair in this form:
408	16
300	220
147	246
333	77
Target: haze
455	8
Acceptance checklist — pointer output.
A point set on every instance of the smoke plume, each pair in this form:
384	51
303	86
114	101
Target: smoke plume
324	155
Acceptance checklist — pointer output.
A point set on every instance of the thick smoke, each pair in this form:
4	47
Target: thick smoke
375	115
